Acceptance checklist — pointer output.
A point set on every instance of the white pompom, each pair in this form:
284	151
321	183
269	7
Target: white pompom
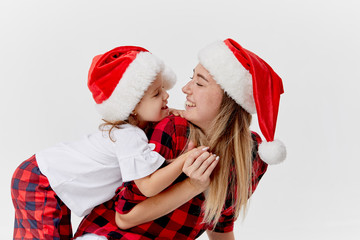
272	152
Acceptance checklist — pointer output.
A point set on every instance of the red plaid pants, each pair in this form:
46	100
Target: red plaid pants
39	213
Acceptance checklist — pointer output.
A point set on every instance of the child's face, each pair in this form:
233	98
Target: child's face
152	107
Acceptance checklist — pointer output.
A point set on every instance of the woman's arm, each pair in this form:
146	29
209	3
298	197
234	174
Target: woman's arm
198	170
156	182
157	206
220	236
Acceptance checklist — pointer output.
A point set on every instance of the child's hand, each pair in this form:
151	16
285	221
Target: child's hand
191	150
176	112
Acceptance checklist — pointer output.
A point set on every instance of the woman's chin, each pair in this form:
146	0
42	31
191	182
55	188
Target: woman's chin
185	114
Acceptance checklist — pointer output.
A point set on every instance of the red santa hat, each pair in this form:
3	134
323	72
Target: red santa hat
119	78
253	84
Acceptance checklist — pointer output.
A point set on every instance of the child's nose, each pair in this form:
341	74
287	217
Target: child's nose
166	95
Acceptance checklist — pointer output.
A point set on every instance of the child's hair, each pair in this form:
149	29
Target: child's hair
229	138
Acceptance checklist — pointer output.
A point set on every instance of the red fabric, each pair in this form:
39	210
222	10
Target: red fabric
267	87
39	213
170	137
107	69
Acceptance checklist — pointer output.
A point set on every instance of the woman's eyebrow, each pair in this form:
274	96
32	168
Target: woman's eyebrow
201	76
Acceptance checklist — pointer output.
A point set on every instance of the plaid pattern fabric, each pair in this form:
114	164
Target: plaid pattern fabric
259	167
39	213
169	137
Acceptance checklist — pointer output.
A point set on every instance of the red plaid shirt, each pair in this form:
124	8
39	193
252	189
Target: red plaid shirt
170	137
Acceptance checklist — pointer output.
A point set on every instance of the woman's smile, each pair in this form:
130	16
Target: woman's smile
189	104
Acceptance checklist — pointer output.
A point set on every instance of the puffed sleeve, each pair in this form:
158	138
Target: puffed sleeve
137	158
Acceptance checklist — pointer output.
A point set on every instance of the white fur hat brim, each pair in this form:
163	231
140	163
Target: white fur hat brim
220	61
228	72
140	73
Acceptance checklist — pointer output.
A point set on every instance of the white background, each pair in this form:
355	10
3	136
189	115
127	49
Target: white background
45	52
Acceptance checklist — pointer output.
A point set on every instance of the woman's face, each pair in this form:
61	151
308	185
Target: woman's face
203	98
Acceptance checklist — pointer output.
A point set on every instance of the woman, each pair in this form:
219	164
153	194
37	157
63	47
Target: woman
229	84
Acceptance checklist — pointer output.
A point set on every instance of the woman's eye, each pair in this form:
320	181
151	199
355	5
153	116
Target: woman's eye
191	78
157	94
200	85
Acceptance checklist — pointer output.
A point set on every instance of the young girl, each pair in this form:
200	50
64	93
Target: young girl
128	85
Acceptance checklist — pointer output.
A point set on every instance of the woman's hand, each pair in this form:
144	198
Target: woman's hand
198	167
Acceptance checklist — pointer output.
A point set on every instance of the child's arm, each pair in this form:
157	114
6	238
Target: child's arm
159	180
198	170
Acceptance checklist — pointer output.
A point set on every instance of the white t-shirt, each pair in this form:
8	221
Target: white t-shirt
88	172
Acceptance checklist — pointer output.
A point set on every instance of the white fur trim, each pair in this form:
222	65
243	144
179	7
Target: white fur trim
228	72
131	87
272	152
169	77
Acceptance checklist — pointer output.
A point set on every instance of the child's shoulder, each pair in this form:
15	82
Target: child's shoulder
129	131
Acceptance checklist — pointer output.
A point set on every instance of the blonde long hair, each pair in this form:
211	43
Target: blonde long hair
230	138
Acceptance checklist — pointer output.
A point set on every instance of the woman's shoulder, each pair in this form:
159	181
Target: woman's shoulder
259	166
170	136
256	138
172	124
173	120
257	141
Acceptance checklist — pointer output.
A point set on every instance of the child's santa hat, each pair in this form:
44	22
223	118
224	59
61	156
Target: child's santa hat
253	84
119	78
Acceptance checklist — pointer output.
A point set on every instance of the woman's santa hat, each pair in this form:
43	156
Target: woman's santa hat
119	78
253	84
